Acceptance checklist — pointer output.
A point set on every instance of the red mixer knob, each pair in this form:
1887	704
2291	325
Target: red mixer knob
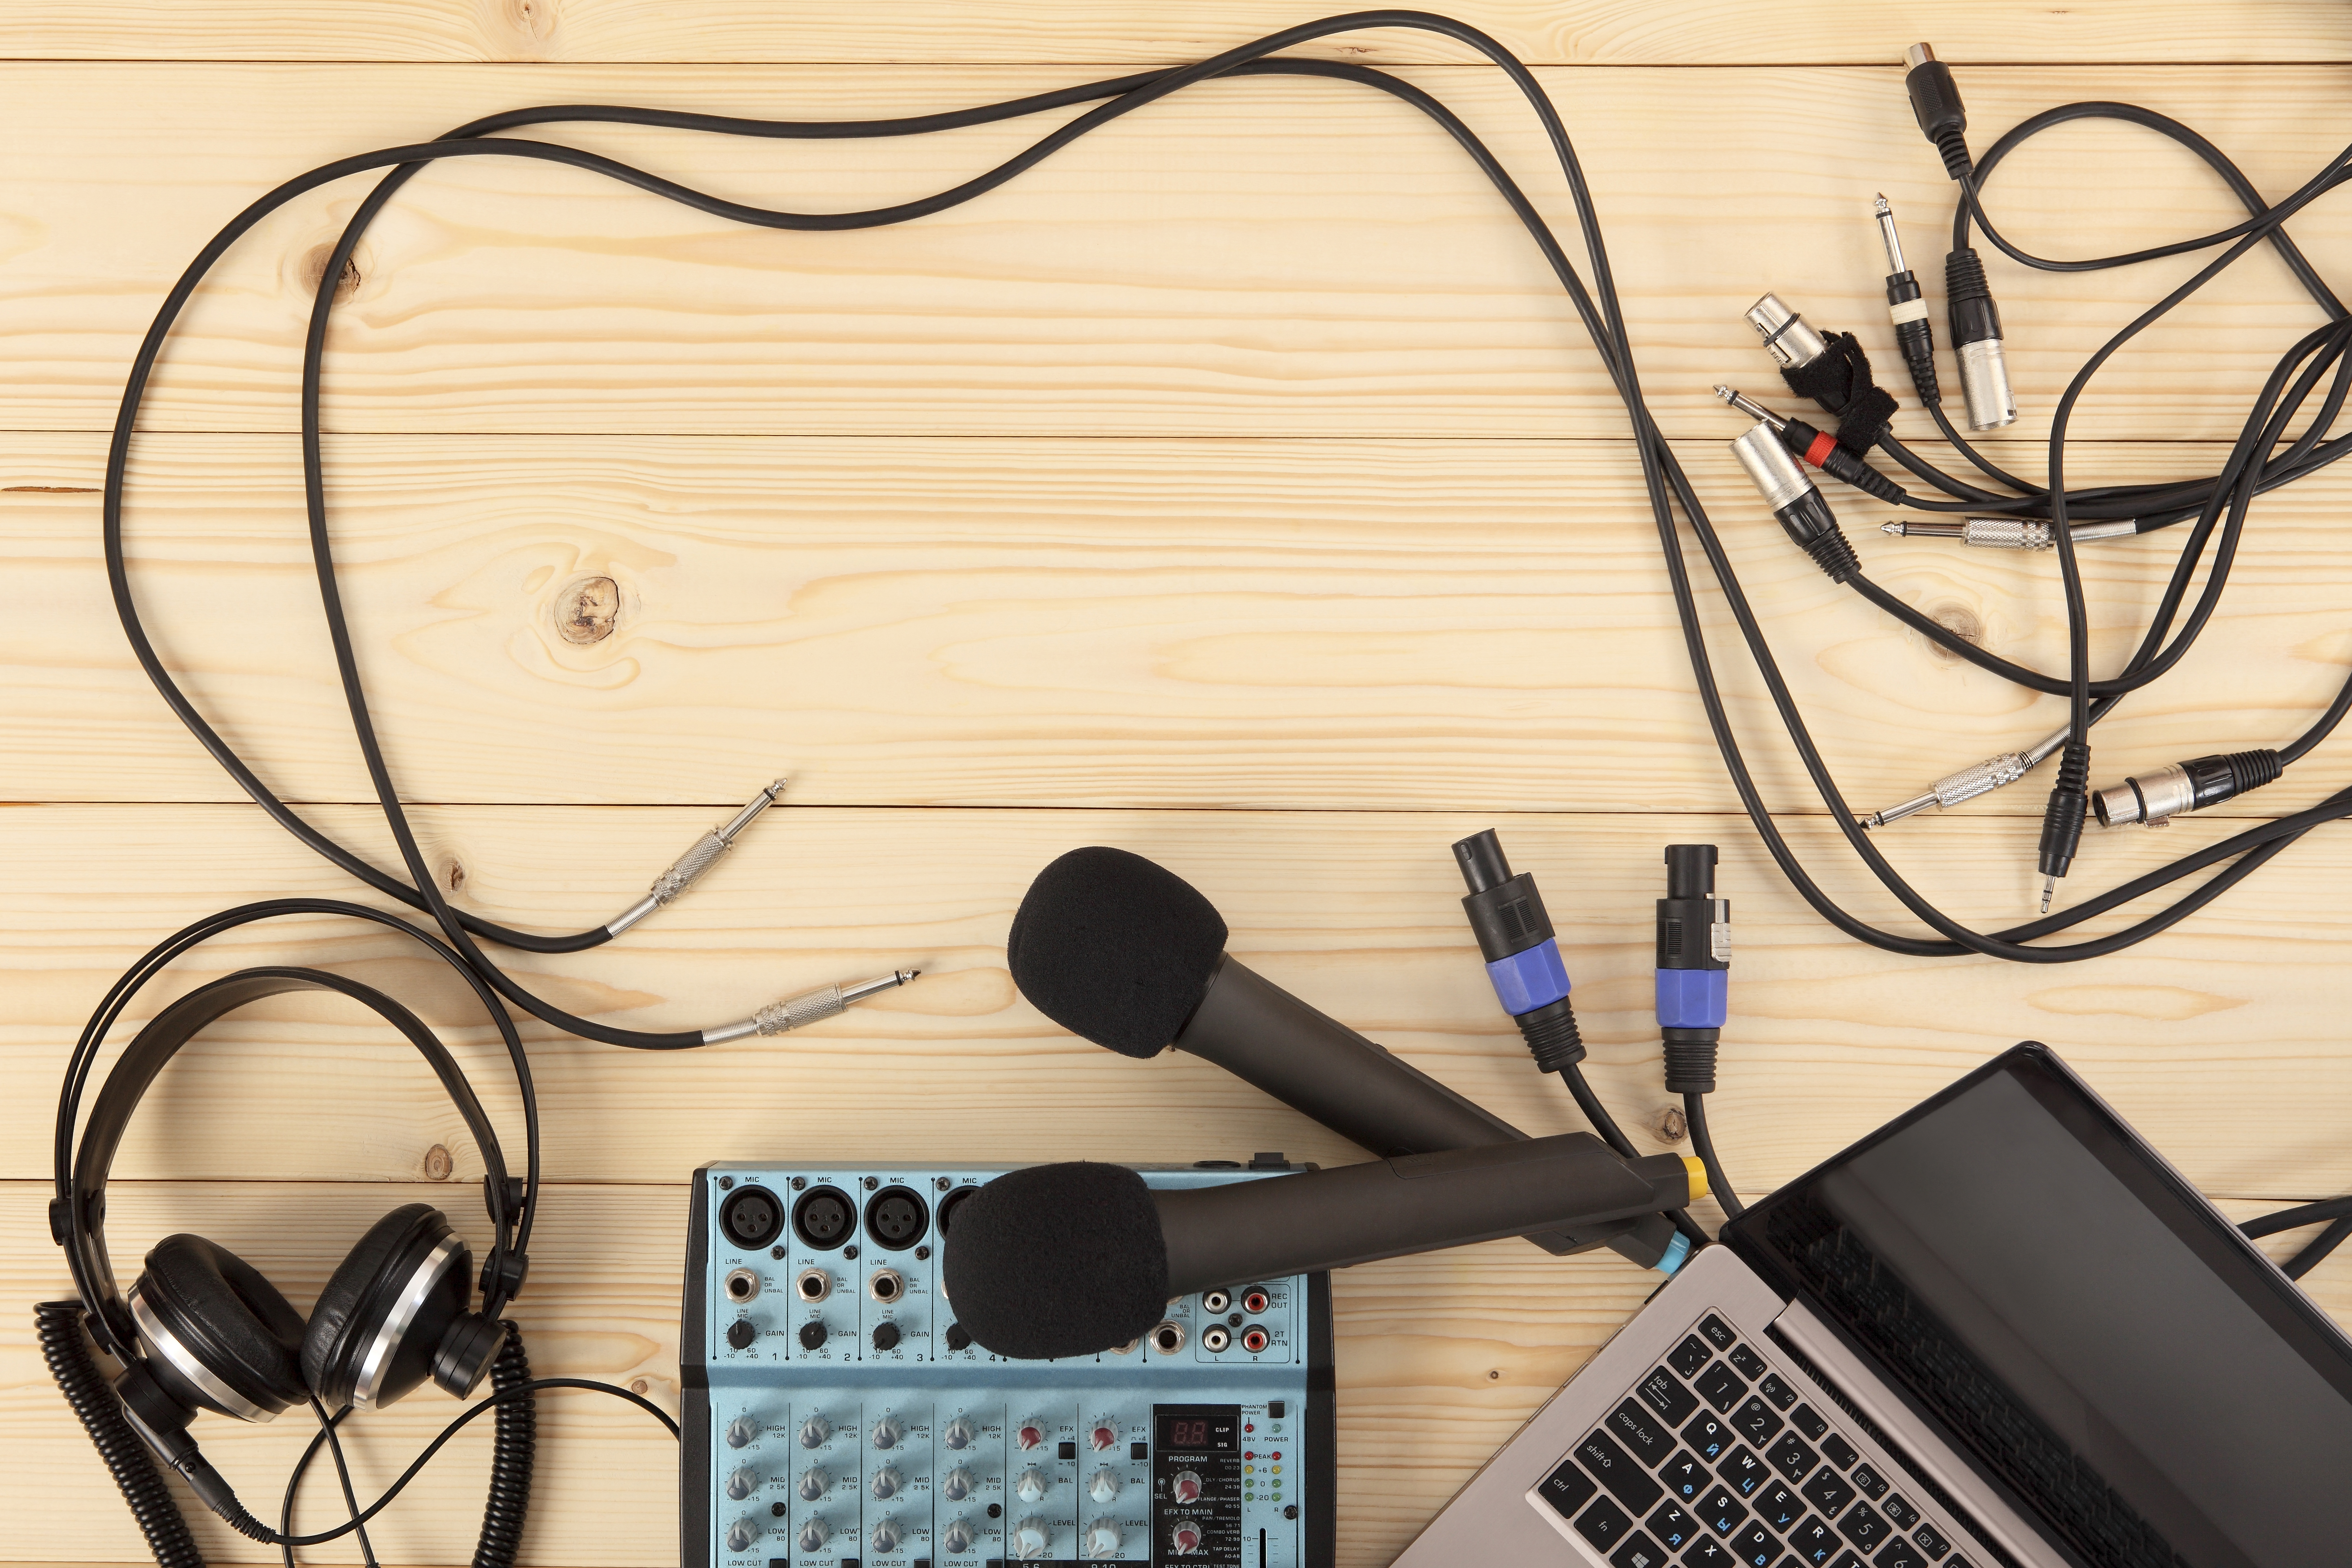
1030	1436
1186	1487
1101	1438
1185	1539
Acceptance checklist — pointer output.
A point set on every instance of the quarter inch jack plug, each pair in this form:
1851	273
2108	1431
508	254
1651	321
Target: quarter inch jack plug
1816	446
1907	307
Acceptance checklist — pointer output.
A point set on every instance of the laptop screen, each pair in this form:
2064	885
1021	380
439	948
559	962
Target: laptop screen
2099	1340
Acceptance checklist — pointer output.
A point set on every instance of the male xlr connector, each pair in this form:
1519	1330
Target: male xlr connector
2178	788
1803	514
1967	302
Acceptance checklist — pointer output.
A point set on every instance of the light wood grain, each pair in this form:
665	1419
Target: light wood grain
2220	1040
1272	257
1306	624
1598	32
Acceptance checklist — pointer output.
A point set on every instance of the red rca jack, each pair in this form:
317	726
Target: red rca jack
1256	1301
1255	1339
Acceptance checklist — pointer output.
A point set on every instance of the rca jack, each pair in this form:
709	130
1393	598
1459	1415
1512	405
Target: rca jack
1216	1338
1255	1339
1254	1301
1216	1303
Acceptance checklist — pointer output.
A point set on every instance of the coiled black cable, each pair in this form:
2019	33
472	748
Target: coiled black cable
513	1452
127	1458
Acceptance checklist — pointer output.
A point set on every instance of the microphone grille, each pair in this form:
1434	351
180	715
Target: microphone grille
1115	948
1057	1261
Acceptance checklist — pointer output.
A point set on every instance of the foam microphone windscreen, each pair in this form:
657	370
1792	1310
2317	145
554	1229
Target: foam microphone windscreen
1114	948
1057	1260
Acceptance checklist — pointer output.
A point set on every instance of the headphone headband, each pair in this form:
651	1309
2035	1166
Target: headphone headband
155	1045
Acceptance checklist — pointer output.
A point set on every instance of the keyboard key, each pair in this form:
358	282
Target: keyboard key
1675	1527
1873	1484
1650	1438
1743	1472
1709	1437
1751	1365
1792	1457
1847	1560
1900	1510
1811	1425
1755	1547
1604	1524
1756	1422
1866	1527
1901	1553
1567	1488
1690	1355
1778	1507
1685	1477
1717	1331
1721	1387
1639	1552
1779	1393
1662	1392
1814	1542
1720	1511
1707	1554
1957	1563
1829	1491
1838	1451
1614	1469
1931	1542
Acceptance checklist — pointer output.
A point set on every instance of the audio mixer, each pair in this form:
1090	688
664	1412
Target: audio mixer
836	1416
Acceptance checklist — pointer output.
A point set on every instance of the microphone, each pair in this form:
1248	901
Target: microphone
1125	953
1078	1258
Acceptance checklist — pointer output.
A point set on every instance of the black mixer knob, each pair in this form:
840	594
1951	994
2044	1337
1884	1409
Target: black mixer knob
885	1336
813	1335
741	1333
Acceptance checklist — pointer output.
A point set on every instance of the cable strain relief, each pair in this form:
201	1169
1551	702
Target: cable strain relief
2252	770
1552	1036
215	1494
2074	768
1690	1061
1917	342
1964	278
1833	555
1953	144
1844	466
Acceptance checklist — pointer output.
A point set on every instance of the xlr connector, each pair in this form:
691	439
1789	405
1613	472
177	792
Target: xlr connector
1803	514
1977	342
2178	788
1791	344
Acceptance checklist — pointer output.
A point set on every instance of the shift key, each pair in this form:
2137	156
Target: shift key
1620	1472
1652	1440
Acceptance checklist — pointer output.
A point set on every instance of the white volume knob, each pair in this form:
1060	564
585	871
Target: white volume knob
886	1536
956	1485
1102	1540
813	1480
813	1534
815	1431
955	1539
1186	1487
743	1533
886	1484
1031	1487
958	1433
1103	1487
742	1483
1029	1538
887	1431
742	1431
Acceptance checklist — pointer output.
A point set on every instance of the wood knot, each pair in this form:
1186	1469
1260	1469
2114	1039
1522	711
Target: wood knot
587	611
314	268
638	1386
1961	622
456	875
533	19
1673	1126
438	1164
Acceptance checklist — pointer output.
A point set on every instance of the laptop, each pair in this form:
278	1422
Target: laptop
1999	1332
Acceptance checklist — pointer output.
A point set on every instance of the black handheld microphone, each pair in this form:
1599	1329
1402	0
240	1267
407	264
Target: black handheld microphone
1128	954
1078	1258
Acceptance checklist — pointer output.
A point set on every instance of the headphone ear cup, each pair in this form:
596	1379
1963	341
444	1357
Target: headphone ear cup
376	1326
218	1334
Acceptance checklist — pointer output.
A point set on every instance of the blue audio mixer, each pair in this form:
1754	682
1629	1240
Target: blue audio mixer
836	1416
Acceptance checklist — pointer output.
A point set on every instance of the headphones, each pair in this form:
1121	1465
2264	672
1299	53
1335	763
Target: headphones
201	1329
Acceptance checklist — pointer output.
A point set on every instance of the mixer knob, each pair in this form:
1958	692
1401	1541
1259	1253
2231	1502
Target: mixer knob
741	1333
812	1535
885	1336
1029	1538
887	1431
1031	1487
958	1433
1101	1439
886	1537
742	1431
955	1539
813	1431
741	1533
742	1483
1103	1487
813	1480
956	1485
1031	1436
813	1334
887	1483
1185	1539
1186	1486
1102	1540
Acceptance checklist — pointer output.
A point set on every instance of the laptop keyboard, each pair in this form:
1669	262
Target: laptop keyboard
1714	1460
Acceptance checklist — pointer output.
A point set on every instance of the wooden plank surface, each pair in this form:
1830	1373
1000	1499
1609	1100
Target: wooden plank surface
1236	487
1271	257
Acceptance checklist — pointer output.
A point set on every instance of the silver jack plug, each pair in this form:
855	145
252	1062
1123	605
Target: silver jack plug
809	1007
700	858
1982	778
2007	532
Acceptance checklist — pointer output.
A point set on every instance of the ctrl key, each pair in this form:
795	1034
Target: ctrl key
1567	1488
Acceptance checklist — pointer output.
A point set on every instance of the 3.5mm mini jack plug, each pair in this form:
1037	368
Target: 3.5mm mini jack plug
2062	818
